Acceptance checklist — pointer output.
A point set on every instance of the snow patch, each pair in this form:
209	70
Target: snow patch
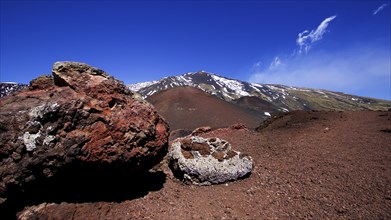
150	93
267	114
233	85
138	86
255	88
284	109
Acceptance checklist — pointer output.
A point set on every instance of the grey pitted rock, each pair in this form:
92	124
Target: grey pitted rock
81	120
209	161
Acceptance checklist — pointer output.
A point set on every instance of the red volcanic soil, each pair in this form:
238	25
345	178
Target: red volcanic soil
188	108
321	165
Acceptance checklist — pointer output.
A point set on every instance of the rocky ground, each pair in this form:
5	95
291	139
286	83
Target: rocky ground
322	165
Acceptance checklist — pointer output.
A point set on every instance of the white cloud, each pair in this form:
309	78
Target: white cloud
306	38
276	63
361	71
381	7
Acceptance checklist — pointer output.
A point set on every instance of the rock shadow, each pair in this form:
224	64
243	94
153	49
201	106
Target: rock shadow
77	187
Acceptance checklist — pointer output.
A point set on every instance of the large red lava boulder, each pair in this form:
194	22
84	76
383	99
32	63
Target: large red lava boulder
80	117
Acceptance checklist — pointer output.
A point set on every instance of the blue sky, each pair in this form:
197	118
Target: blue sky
335	45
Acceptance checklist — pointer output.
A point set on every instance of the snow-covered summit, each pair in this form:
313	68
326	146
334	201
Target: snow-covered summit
222	87
284	98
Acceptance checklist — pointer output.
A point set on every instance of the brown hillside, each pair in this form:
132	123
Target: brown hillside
308	165
188	108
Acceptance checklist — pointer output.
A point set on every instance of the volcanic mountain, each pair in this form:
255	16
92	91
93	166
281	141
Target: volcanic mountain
262	97
204	99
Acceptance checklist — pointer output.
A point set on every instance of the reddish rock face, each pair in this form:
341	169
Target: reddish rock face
80	116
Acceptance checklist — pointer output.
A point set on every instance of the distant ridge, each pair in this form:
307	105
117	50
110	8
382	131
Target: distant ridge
7	88
262	97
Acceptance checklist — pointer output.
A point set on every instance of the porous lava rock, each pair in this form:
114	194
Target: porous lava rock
206	161
80	118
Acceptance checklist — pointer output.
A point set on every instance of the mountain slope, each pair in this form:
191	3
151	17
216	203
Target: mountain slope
188	108
280	97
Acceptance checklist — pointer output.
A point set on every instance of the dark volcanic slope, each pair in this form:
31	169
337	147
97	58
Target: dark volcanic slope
189	108
257	104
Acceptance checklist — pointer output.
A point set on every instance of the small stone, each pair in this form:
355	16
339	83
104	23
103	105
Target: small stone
187	154
16	156
212	140
218	155
187	144
238	126
230	154
202	148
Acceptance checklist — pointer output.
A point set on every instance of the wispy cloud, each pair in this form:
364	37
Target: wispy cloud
362	71
257	64
276	63
306	38
381	7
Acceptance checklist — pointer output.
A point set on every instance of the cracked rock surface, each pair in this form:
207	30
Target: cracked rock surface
80	118
206	161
